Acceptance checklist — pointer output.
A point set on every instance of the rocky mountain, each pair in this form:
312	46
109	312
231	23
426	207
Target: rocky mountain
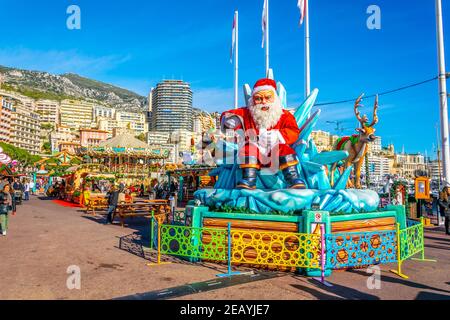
43	85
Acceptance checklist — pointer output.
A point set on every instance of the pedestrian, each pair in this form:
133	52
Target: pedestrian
32	187
86	195
6	207
27	190
142	190
3	182
13	200
444	206
113	200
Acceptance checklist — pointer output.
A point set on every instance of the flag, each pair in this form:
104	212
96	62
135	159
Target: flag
233	38
302	6
264	22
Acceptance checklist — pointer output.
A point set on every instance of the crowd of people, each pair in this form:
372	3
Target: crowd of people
122	193
12	192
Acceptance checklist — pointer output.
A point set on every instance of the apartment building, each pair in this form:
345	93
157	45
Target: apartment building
132	120
25	128
76	114
323	140
62	134
406	165
48	111
92	137
103	112
6	110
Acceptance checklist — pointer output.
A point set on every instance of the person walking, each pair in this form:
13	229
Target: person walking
113	199
32	187
444	206
6	207
26	191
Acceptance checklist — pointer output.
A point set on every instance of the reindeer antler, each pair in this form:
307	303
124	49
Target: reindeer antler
363	119
375	109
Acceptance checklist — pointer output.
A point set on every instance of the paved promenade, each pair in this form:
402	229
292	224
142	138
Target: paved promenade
45	238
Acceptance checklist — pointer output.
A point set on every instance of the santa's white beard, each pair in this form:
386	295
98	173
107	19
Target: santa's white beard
266	119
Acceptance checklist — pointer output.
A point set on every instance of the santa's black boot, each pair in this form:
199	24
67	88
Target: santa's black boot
288	165
249	174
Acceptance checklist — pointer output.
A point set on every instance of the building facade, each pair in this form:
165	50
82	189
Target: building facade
171	106
25	129
6	110
92	137
132	120
406	165
378	168
48	111
76	114
61	135
103	112
158	137
324	140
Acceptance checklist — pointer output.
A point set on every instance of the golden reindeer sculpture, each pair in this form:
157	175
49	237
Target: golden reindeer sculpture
357	144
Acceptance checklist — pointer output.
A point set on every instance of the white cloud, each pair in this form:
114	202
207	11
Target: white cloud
55	61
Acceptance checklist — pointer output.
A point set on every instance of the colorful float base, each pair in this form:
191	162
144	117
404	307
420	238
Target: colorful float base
259	238
313	243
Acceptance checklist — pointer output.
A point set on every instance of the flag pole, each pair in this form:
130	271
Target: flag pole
236	61
443	94
307	57
267	39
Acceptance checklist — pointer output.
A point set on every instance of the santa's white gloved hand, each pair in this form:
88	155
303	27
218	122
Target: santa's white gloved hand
270	138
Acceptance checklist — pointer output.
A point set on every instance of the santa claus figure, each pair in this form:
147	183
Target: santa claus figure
268	132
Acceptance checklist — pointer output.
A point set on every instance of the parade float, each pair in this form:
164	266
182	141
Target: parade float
303	214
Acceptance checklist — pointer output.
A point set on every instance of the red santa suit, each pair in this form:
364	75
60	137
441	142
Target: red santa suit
286	128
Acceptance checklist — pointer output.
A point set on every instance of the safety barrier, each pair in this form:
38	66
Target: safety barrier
201	243
411	242
285	249
355	249
280	249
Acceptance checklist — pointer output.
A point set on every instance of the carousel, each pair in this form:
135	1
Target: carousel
125	155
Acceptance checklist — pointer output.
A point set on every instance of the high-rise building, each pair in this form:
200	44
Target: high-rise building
48	111
6	110
25	128
171	106
76	114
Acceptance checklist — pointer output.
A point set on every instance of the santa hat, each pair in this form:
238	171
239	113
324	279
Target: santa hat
264	84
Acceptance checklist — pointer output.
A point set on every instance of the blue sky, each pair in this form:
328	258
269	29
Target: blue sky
136	43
